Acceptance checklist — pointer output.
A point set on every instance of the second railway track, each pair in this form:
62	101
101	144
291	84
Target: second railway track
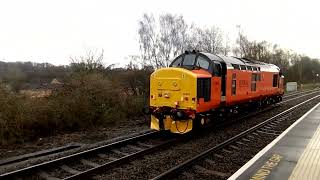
85	163
214	161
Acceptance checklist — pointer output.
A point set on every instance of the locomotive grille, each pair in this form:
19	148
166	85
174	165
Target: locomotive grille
204	88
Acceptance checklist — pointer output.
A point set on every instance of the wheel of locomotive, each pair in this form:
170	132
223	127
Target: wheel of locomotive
264	102
199	122
259	103
269	101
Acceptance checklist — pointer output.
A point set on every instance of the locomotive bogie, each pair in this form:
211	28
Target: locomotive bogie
169	124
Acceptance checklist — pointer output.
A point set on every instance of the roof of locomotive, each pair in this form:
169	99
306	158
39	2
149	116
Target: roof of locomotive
230	61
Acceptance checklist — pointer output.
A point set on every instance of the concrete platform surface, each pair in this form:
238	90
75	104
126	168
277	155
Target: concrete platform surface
294	155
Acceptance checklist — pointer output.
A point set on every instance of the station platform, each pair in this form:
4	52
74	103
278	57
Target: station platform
294	155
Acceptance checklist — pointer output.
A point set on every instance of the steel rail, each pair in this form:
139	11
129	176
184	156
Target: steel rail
86	174
300	92
282	102
71	157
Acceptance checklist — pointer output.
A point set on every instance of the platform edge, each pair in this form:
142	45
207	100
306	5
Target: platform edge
269	146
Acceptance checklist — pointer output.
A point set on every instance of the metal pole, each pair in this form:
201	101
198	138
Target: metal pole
239	29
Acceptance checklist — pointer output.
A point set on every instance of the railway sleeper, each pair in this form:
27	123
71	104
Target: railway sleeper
45	175
209	161
120	152
241	143
144	144
89	163
269	133
69	169
234	147
227	151
218	156
135	147
256	134
245	139
250	136
206	171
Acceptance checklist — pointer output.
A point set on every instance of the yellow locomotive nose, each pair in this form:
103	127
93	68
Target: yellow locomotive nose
172	90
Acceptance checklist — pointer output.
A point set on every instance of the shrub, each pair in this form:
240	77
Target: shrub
86	100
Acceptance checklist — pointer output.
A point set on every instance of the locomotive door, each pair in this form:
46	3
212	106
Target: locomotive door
223	80
216	83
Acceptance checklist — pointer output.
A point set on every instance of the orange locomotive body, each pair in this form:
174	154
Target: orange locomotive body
221	84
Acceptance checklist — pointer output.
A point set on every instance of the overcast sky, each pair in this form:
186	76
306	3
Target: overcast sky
52	31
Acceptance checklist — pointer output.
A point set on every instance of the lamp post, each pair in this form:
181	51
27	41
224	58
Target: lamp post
239	32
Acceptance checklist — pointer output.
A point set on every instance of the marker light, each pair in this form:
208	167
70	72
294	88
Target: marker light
193	100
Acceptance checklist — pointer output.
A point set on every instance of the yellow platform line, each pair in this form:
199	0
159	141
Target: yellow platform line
308	166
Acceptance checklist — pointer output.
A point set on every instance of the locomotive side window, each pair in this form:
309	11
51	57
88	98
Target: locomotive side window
203	63
275	80
254	68
254	78
217	69
236	66
177	62
234	84
243	67
192	61
189	60
249	68
258	77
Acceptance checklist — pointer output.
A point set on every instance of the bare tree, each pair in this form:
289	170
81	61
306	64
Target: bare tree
207	39
90	62
244	46
160	44
171	37
280	57
212	40
260	51
148	40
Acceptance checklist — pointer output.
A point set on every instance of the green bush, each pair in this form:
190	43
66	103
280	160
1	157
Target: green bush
86	100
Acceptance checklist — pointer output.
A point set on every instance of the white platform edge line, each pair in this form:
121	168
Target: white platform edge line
269	146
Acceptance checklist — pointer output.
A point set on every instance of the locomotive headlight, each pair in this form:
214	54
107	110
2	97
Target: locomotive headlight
153	97
193	100
180	114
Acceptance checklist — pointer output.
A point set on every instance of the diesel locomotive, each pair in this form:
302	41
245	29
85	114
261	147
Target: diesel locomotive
198	86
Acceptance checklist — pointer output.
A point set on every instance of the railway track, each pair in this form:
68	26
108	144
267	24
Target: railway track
299	96
89	162
298	93
205	162
84	164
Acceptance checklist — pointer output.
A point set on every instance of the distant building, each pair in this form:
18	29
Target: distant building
291	86
56	81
